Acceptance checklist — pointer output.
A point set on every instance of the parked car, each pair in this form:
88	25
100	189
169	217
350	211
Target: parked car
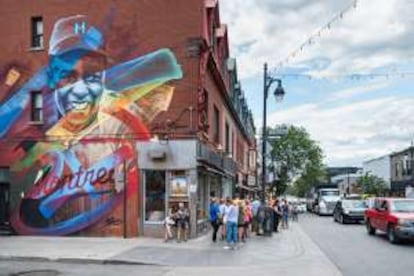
349	210
395	216
302	207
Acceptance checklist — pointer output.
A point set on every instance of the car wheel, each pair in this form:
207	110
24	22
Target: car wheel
392	238
334	218
341	219
370	229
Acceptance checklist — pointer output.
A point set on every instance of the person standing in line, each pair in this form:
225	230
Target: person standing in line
214	217
285	214
231	214
277	214
222	209
240	221
255	209
248	217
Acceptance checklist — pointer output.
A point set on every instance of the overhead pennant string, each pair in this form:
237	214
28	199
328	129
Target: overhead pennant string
351	77
318	33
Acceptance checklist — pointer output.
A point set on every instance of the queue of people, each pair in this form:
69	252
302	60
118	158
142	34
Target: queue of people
233	220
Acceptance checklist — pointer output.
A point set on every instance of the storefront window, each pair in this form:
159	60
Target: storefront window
227	190
215	187
154	196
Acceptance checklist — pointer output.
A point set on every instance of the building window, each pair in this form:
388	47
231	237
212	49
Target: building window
251	159
246	159
227	133
154	196
37	32
397	169
407	165
36	107
232	147
204	111
213	38
216	125
4	174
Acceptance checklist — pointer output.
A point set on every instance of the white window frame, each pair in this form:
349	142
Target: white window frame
35	109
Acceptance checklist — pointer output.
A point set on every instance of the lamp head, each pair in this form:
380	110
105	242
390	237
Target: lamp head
279	91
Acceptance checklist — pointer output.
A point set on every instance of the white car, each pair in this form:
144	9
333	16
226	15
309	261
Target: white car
302	208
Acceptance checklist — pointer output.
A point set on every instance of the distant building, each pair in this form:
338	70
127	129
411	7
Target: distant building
347	183
402	174
379	167
332	172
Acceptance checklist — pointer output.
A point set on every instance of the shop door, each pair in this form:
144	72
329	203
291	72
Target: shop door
4	203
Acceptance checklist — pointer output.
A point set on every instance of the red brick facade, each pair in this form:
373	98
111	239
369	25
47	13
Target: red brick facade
191	29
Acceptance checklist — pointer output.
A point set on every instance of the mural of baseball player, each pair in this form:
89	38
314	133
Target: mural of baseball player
97	111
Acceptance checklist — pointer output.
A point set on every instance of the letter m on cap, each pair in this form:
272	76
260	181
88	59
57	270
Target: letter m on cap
79	27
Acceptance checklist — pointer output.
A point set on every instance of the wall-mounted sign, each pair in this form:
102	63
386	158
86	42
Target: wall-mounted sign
12	77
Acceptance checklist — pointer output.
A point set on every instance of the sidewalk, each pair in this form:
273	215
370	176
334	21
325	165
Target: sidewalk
291	252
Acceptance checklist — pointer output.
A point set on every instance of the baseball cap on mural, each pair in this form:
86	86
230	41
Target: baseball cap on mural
74	33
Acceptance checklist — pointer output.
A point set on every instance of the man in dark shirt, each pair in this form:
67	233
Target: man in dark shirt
214	211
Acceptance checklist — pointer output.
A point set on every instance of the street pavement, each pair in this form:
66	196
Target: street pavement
291	252
355	252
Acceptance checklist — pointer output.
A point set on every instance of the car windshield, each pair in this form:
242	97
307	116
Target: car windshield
354	204
330	193
402	206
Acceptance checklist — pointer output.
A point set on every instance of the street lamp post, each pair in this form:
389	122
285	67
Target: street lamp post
279	93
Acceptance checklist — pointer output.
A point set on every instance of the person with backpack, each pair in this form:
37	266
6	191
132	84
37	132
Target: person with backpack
214	213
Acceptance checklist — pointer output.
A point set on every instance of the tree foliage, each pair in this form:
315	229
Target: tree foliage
298	161
371	184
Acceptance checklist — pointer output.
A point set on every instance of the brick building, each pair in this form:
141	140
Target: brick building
111	112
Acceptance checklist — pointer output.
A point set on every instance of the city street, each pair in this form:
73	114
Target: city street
316	245
355	252
290	252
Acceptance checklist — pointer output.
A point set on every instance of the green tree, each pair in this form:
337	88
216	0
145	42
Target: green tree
371	184
298	160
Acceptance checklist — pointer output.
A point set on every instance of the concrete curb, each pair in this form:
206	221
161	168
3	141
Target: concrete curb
76	260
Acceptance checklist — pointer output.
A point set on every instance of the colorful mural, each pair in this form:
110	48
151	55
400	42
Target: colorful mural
83	163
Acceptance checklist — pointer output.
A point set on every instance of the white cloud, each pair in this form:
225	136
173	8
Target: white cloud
355	91
375	34
352	133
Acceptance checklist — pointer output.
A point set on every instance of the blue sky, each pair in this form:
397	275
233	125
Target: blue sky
353	119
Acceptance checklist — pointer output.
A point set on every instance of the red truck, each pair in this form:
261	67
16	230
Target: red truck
394	216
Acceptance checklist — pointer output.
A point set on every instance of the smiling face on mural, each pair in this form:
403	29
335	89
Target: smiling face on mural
78	89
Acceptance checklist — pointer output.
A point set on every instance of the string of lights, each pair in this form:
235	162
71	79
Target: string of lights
353	77
311	39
